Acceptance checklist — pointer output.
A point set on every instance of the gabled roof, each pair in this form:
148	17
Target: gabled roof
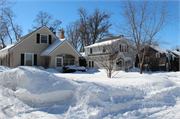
54	46
174	53
4	51
111	38
159	49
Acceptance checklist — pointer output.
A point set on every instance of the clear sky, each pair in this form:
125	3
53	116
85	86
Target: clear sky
66	11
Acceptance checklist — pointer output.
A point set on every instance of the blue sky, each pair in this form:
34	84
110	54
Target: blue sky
66	11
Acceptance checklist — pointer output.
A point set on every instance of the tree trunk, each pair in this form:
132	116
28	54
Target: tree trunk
140	68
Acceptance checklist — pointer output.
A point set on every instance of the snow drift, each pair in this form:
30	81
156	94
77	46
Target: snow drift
88	94
38	86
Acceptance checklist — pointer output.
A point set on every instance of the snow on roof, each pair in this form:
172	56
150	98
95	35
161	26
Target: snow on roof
159	49
4	51
52	47
176	52
103	43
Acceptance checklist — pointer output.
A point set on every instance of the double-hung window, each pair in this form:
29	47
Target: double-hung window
44	39
157	55
91	64
29	59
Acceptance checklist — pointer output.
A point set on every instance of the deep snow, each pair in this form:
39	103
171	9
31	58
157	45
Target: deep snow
35	92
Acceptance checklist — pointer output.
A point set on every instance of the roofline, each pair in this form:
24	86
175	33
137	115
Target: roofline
62	44
11	48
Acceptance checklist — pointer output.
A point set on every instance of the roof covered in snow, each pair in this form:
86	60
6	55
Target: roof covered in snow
4	51
52	47
103	43
174	52
159	49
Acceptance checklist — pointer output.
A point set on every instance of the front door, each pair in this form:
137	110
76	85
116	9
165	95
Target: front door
59	64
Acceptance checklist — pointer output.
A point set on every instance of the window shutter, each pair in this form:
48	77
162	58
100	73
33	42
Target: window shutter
127	48
120	47
22	59
35	59
50	39
38	38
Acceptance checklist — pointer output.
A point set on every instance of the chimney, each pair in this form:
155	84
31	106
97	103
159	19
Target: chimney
61	34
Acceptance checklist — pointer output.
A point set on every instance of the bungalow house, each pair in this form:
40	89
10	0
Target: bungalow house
119	49
40	48
175	59
156	59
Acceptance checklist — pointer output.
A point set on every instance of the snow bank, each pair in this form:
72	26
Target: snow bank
51	70
88	94
37	86
4	68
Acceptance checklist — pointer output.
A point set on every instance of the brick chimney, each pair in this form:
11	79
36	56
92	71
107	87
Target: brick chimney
61	34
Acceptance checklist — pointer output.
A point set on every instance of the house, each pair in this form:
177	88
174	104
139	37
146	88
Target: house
119	49
175	59
40	48
155	59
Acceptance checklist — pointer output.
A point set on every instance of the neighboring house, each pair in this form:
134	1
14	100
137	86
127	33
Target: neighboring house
40	48
175	59
123	50
156	59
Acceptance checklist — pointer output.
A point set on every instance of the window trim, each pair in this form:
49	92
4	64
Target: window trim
91	62
25	58
47	38
91	51
123	48
104	48
158	55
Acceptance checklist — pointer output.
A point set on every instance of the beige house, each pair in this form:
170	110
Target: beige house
40	48
118	48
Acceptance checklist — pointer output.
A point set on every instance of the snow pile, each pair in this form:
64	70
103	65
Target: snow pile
4	68
34	85
88	94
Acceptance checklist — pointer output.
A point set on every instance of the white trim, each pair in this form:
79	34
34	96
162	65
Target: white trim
30	36
32	58
158	55
162	64
56	61
91	63
62	44
47	38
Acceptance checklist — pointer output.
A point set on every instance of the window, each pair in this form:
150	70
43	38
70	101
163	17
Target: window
91	64
104	48
157	55
44	39
147	59
90	50
29	59
123	48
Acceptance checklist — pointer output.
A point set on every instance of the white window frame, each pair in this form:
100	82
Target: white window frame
47	39
104	48
123	48
157	54
25	58
91	63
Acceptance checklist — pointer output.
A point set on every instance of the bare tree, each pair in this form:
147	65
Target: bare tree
142	21
44	18
108	55
93	27
72	32
10	30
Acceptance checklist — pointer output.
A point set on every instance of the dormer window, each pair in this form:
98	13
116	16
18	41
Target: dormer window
104	48
123	48
44	39
157	55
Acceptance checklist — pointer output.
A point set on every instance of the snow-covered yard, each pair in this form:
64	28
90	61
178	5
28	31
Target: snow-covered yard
35	92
